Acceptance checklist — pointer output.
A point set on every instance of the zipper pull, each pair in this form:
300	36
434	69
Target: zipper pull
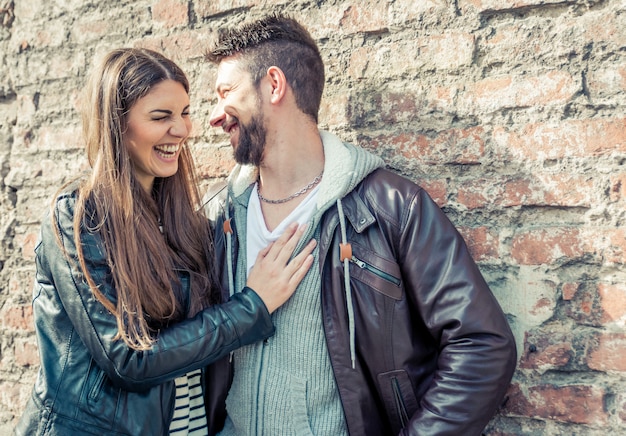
358	262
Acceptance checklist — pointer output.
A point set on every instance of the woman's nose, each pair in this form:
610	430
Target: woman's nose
180	128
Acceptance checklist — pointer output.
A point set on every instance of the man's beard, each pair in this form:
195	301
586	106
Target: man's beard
251	142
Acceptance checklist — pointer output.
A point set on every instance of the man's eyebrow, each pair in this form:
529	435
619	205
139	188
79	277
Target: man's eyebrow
220	87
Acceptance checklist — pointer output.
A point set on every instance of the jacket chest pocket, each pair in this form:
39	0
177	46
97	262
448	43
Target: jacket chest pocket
375	271
96	389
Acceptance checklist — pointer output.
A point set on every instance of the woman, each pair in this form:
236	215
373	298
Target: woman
127	307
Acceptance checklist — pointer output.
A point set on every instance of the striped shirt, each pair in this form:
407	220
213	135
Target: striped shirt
189	415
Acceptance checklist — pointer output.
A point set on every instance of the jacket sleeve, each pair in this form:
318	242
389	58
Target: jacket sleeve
477	352
188	345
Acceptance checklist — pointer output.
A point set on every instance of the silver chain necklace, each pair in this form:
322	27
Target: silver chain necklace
307	188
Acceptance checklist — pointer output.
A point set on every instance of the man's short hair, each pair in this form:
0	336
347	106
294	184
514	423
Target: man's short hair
280	41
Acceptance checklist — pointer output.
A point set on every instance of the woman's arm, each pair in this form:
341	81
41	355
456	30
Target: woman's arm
190	344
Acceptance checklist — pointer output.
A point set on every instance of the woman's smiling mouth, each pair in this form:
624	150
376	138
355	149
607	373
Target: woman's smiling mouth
167	150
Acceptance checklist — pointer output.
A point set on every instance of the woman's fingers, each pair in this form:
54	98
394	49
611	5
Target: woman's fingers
282	249
301	263
275	274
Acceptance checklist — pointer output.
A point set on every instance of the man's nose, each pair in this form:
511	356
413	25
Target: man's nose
217	116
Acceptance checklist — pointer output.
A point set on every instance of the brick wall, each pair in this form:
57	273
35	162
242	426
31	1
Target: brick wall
511	113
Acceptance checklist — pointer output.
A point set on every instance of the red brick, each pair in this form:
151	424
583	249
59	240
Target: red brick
569	404
569	290
21	282
179	46
367	17
437	189
617	191
442	98
496	5
18	317
26	352
460	146
603	29
27	243
67	65
549	190
613	301
608	243
482	242
574	138
171	13
333	111
513	40
89	29
447	51
360	60
546	350
585	306
14	395
409	9
66	137
492	94
213	162
542	189
610	353
546	246
397	107
607	81
478	193
50	38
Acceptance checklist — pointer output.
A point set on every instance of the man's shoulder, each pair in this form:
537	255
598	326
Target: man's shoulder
390	193
383	178
214	199
215	191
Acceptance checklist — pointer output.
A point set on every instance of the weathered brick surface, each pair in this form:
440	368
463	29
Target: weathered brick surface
511	114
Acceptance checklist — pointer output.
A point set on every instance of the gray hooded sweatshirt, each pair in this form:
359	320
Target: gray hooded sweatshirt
285	385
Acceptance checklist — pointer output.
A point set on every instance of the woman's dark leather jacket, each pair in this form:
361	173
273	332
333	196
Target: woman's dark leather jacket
434	351
89	383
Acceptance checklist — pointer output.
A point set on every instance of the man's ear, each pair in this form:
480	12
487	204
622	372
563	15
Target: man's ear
277	82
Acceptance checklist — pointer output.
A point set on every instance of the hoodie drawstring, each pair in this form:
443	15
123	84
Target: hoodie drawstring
346	255
228	230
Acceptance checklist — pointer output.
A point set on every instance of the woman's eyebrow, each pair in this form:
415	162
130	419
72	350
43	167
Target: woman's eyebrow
167	111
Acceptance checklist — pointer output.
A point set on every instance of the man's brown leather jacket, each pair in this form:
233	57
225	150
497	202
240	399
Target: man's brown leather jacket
434	351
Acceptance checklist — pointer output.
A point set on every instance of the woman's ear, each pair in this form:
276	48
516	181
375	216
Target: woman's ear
278	83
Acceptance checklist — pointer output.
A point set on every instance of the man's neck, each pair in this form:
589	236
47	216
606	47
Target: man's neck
290	163
289	166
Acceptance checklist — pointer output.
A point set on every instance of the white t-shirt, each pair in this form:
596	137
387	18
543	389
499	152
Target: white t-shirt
257	233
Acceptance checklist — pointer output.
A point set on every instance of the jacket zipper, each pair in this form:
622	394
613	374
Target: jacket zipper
94	393
380	273
400	406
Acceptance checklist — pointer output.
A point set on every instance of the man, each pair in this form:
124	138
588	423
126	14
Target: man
393	330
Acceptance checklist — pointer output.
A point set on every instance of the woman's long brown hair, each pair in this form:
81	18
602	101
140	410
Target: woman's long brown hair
143	260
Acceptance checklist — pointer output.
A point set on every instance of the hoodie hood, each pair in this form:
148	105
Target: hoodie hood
345	166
